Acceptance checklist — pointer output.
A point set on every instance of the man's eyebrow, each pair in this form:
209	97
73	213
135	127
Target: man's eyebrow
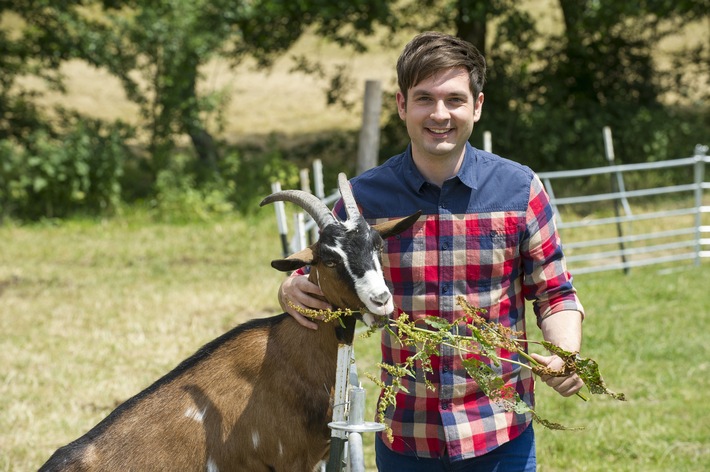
426	93
420	92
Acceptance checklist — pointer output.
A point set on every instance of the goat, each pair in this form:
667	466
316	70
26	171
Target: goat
256	398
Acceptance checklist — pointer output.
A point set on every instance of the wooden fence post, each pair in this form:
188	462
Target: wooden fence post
369	144
487	141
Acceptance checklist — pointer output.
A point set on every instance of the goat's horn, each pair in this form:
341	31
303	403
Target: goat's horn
348	198
318	210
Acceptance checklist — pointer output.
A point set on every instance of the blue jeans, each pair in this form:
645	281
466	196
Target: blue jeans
517	455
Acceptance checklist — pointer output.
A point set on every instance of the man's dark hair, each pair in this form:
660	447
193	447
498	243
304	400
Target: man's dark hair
432	52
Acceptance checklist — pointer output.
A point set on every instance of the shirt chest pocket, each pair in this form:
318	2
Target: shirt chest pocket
491	258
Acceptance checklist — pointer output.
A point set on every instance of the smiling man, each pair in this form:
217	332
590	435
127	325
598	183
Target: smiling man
439	113
487	233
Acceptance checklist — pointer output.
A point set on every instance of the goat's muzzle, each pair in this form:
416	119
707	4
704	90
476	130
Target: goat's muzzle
377	321
379	309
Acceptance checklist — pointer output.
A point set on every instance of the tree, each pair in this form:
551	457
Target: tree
550	94
157	49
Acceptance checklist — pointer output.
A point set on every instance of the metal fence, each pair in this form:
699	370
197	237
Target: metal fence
615	217
639	220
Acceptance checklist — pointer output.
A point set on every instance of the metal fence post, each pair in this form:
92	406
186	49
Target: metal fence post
699	177
281	220
340	405
617	186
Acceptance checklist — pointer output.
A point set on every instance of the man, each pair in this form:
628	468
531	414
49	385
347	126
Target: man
487	233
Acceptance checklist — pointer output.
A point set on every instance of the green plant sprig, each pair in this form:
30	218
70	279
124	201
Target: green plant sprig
323	315
485	341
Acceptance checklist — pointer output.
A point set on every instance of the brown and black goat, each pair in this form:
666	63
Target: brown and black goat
258	397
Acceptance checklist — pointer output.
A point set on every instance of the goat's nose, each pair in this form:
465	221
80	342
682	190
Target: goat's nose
381	299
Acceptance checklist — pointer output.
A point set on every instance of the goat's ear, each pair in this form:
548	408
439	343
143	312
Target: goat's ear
394	227
294	261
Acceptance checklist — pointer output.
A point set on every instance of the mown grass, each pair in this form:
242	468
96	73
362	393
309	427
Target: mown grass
91	312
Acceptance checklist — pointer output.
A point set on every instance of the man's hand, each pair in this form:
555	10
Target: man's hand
564	329
300	291
565	386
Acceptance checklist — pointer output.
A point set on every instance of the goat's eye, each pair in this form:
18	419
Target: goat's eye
379	245
330	264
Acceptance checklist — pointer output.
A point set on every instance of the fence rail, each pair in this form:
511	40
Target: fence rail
658	224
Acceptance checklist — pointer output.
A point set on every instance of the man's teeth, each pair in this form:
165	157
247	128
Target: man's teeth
439	131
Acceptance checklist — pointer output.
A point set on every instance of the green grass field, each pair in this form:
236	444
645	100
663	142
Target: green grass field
91	312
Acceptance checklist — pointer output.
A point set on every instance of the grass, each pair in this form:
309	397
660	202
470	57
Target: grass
648	332
91	312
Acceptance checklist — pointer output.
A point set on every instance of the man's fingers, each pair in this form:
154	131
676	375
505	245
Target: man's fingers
301	293
565	386
303	321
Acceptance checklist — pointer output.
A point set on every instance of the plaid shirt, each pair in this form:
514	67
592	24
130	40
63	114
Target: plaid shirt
488	234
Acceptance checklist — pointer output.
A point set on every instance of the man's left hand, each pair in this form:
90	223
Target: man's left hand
565	386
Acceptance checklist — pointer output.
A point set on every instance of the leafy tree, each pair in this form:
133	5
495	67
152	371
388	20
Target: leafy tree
157	49
550	94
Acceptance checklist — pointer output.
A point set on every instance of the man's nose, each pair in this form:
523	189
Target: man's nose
440	112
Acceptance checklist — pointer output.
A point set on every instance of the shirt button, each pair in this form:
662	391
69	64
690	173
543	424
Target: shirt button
445	289
444	406
446	368
445	246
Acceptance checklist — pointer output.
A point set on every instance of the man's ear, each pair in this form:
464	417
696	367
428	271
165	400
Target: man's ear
401	104
394	227
294	261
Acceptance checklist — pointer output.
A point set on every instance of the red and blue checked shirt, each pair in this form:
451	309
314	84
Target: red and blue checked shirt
488	234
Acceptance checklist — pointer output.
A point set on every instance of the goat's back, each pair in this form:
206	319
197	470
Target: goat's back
256	398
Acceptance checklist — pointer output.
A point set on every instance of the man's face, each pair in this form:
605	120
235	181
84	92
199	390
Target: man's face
439	113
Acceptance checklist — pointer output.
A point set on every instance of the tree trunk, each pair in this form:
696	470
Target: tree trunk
204	146
471	22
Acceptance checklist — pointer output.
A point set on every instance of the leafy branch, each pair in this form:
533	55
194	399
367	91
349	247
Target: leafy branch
486	341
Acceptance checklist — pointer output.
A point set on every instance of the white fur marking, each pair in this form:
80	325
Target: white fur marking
281	448
255	439
350	225
211	465
369	285
195	414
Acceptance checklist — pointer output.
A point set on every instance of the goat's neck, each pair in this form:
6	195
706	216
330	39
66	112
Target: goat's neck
345	332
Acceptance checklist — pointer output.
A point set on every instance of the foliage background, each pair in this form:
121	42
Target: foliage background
123	101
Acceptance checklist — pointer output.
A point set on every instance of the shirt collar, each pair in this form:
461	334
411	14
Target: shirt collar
467	173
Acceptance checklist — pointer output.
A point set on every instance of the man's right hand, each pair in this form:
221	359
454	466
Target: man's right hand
300	291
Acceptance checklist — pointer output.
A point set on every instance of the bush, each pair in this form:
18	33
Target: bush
179	198
185	192
55	176
250	175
